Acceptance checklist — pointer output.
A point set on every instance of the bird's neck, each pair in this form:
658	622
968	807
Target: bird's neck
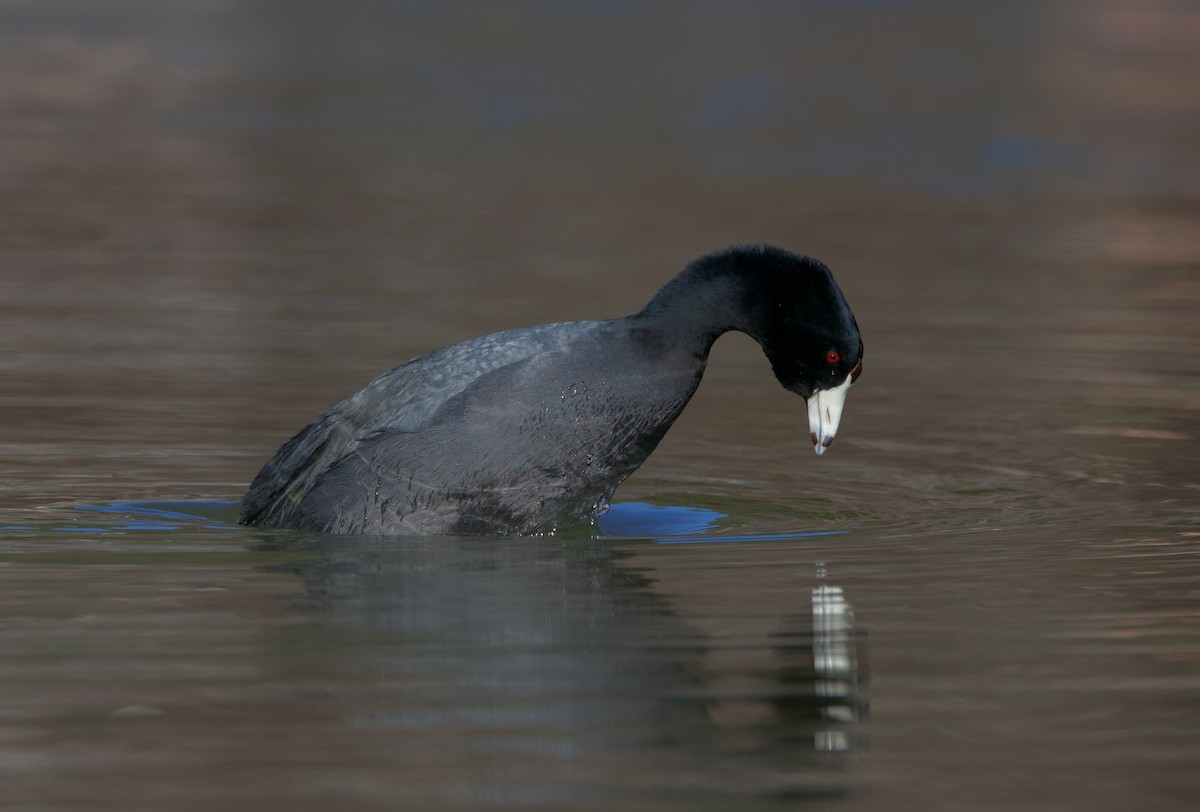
702	303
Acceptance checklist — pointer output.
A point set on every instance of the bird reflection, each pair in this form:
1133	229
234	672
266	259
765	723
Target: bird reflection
559	665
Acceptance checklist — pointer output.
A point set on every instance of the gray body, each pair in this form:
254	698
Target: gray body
512	432
530	429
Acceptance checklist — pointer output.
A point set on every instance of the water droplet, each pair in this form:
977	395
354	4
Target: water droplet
602	504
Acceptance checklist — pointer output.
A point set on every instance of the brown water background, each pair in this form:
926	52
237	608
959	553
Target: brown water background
219	218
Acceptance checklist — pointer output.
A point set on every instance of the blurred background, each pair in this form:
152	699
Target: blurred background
219	218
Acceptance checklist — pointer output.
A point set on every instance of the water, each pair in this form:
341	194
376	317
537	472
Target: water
219	219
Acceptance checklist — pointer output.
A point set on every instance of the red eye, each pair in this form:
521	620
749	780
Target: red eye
832	356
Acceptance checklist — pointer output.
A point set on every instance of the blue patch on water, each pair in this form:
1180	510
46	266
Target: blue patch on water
748	537
639	519
189	511
185	514
680	525
664	524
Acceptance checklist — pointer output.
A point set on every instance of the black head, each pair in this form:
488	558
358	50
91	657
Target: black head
801	319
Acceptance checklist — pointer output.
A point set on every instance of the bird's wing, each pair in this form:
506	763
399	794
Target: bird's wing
404	399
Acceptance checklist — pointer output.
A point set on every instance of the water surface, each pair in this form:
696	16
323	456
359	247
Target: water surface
218	220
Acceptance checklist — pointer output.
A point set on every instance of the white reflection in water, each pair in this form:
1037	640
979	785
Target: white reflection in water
563	664
835	663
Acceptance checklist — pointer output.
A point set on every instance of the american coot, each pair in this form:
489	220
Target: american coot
531	429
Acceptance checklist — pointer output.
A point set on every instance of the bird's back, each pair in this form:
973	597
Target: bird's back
403	400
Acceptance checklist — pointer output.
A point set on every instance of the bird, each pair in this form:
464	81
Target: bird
529	431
